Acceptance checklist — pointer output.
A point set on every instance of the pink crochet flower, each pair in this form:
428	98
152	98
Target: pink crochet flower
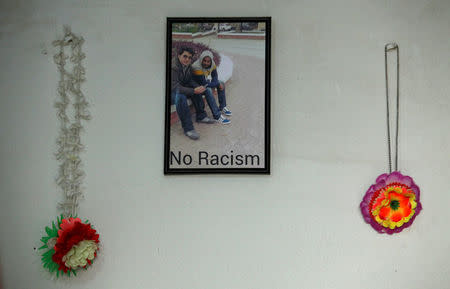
392	203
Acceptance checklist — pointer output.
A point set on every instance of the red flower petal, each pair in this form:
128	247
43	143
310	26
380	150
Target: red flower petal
384	212
405	203
407	210
396	217
72	232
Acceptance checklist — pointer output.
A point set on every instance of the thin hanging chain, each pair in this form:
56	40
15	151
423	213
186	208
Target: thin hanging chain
70	174
387	48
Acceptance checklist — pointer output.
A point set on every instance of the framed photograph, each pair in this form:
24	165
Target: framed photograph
217	116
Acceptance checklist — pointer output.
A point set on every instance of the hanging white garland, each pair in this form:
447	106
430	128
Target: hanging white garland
70	174
70	244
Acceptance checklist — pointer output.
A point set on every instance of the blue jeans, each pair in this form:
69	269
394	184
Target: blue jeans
183	111
221	97
211	103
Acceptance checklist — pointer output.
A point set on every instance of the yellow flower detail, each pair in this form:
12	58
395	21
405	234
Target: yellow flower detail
80	253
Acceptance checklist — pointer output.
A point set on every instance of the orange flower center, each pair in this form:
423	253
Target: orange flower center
393	205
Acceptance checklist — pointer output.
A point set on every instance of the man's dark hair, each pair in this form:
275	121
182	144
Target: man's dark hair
185	48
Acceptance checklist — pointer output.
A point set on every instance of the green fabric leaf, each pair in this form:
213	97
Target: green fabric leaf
47	256
51	266
49	253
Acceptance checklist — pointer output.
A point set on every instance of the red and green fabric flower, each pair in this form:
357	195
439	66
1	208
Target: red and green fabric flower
71	244
392	203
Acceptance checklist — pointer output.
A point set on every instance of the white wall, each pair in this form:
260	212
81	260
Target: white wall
300	227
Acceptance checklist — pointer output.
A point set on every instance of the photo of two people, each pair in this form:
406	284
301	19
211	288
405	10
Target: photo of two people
217	95
197	81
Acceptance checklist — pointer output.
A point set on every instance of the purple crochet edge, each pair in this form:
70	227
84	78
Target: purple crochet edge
382	181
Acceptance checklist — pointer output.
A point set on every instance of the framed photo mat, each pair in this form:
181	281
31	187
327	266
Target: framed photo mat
230	161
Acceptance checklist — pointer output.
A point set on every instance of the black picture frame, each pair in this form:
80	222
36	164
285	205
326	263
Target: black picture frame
211	153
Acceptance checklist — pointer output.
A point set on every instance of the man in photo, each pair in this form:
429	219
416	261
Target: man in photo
184	87
205	74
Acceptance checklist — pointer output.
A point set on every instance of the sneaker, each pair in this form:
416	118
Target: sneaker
226	111
223	120
206	120
192	134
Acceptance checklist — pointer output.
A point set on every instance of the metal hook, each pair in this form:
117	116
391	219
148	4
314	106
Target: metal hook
390	46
